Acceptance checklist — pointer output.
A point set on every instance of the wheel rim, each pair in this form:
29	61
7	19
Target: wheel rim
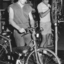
42	49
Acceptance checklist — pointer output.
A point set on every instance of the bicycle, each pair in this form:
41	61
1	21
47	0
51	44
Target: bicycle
39	55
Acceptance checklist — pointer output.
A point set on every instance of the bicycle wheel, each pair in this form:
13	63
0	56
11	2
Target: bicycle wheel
46	57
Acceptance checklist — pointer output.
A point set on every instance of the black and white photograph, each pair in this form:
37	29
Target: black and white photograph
31	31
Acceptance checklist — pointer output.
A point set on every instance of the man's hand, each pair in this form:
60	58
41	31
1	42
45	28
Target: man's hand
22	30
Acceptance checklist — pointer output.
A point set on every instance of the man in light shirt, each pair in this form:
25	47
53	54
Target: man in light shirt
19	16
45	21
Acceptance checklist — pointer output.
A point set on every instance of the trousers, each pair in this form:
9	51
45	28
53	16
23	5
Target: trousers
21	40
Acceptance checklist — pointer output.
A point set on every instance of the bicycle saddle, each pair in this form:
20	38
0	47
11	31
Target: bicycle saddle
21	49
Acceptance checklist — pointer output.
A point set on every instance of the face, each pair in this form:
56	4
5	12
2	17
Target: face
23	1
46	1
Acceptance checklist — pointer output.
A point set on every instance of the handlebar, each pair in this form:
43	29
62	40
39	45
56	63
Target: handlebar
31	30
28	31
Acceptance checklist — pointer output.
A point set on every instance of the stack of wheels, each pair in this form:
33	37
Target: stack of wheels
44	56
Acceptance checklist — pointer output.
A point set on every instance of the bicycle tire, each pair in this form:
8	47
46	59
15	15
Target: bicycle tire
50	55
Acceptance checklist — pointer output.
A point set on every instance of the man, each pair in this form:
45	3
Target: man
19	16
45	22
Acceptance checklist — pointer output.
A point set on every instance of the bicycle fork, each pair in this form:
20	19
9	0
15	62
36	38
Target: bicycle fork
38	55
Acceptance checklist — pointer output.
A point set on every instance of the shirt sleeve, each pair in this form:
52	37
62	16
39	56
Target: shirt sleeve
42	8
39	8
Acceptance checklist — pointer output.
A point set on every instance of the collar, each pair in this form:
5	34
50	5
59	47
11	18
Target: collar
20	4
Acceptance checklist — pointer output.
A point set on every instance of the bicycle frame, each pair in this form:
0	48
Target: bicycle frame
9	40
37	49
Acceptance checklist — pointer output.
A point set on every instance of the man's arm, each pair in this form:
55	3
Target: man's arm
43	14
31	19
11	21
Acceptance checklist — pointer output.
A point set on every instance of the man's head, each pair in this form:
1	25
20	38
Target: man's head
45	1
23	1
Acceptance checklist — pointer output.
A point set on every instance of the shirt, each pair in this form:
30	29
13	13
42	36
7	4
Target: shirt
21	14
42	7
